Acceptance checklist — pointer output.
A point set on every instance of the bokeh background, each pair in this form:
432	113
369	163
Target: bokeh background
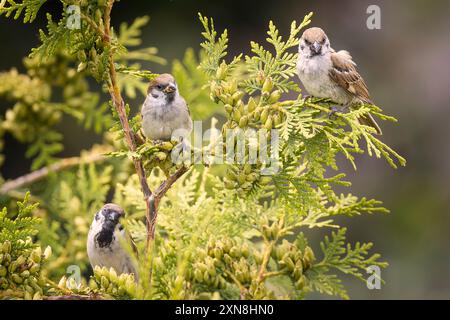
406	65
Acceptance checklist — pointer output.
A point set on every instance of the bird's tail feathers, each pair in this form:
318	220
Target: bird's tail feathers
368	120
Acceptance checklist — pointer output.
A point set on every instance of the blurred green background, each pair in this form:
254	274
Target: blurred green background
406	66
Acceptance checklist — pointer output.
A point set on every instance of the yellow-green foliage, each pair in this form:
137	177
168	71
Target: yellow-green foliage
104	284
214	245
21	260
227	231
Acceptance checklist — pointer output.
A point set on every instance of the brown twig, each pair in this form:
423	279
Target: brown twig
272	274
269	245
119	105
152	201
76	297
95	26
165	186
156	198
265	261
40	174
242	289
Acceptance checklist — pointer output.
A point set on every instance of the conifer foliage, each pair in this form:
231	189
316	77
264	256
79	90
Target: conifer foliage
230	231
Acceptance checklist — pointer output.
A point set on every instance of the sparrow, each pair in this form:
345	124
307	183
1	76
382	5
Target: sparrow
328	74
106	240
165	114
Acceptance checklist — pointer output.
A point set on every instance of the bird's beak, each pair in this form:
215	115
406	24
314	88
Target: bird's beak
170	89
111	222
316	47
109	225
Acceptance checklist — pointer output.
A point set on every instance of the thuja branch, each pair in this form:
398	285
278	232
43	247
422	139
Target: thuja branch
40	174
161	191
266	257
151	200
119	105
76	297
268	248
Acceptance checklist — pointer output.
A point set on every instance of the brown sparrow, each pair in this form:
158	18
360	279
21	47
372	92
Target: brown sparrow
165	114
328	74
105	241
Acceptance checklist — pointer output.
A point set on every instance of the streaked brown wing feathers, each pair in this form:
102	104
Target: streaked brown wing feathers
344	73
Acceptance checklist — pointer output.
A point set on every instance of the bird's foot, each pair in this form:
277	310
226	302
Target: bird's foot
182	141
334	111
338	109
157	142
307	97
185	143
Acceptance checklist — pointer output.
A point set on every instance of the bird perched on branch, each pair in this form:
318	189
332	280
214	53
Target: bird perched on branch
165	114
326	73
106	244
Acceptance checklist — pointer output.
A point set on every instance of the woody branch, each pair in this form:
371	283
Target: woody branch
152	200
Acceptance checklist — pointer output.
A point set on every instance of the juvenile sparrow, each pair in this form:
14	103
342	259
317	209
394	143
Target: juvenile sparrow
165	114
326	73
106	239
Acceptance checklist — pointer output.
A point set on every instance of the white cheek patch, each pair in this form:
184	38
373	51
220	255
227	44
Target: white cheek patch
156	99
304	50
96	226
156	94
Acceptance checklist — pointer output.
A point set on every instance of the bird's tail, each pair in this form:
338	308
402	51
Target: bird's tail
368	120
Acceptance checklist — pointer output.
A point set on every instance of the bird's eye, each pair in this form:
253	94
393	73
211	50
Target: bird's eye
159	87
307	42
323	40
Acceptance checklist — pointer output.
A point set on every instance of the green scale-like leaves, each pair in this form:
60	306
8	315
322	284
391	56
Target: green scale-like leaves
228	231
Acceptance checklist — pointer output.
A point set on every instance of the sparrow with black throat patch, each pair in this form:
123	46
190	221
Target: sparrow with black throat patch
107	239
165	114
328	74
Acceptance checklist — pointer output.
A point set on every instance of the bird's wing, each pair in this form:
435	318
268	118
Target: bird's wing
186	106
344	73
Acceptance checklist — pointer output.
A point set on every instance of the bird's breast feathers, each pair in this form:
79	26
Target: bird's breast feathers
160	120
113	255
315	66
314	73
